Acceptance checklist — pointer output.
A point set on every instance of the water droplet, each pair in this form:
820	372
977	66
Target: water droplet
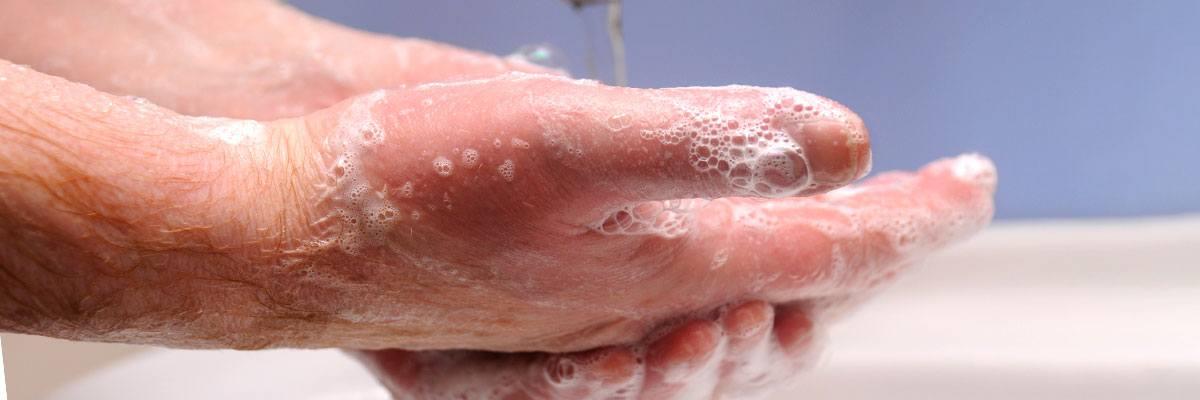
540	54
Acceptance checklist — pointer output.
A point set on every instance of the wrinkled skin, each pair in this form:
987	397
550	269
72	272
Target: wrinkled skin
524	257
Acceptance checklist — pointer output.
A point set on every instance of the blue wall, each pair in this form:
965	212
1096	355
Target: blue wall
1089	108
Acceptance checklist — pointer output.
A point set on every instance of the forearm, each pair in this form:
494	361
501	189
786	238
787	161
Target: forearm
240	58
122	221
250	59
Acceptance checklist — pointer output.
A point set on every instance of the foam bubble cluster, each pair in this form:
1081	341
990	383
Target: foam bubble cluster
507	170
520	144
758	153
669	219
364	212
567	375
230	131
470	158
443	166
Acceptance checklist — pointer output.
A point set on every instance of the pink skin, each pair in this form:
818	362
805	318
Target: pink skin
830	249
745	351
242	59
480	236
738	352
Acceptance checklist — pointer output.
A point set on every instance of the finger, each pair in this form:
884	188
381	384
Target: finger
749	361
453	374
746	326
849	240
794	332
397	370
684	363
525	136
793	348
637	145
608	373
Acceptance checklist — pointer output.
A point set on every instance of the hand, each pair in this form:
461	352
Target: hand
240	59
369	230
263	103
729	355
239	85
744	351
558	225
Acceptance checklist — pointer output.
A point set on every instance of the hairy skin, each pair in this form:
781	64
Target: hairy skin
114	209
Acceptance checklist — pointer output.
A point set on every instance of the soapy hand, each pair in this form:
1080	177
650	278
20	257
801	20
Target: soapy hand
526	212
585	215
744	351
256	59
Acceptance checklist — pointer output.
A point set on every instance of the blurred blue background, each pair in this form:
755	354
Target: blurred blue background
1089	108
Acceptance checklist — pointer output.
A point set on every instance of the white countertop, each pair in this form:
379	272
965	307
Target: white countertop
3	390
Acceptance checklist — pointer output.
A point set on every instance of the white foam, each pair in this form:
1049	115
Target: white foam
507	170
364	207
755	152
443	166
231	131
975	168
470	158
669	219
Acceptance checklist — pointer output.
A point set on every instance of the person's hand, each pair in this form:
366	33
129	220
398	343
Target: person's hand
240	59
266	101
743	351
544	220
746	351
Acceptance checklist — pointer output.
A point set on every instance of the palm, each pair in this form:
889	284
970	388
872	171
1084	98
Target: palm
566	200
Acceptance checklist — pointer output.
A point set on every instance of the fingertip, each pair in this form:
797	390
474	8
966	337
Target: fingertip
976	169
728	141
398	369
793	328
838	149
748	320
862	135
685	350
612	365
967	183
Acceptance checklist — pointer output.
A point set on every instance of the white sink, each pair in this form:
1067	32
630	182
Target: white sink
1049	310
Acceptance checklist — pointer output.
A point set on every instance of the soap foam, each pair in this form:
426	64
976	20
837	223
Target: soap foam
758	154
365	212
